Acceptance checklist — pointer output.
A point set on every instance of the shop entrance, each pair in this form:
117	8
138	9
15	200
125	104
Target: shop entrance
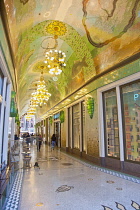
57	131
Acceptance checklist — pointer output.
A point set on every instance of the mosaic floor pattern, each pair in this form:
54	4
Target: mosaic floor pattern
69	183
13	199
135	206
109	171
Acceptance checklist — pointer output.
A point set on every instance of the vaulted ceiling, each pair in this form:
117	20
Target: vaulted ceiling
94	34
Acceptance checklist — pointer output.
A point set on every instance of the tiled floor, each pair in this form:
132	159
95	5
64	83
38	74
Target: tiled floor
13	199
66	183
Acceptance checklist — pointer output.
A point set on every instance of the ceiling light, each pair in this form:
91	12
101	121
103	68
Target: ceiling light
56	61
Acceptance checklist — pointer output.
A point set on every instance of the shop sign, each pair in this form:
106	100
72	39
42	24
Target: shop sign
136	96
56	116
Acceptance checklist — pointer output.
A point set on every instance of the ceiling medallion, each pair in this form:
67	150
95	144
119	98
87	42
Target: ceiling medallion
56	28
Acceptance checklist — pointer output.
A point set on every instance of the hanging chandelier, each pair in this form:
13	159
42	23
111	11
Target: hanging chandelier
33	102
41	95
55	60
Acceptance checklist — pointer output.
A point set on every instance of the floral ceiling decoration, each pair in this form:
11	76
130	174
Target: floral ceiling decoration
56	28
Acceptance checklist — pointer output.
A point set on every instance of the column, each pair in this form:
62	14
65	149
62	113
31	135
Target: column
101	125
120	124
67	128
46	130
80	118
71	128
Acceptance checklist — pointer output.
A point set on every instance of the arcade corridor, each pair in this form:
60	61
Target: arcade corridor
70	69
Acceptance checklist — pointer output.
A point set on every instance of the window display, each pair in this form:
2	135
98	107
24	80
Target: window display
111	124
131	117
76	126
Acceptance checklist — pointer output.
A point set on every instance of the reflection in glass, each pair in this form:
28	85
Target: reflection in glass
131	112
111	124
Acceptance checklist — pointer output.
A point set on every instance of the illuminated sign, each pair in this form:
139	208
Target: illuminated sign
56	116
136	96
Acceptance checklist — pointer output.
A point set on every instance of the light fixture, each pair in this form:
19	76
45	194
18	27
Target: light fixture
55	60
41	95
33	102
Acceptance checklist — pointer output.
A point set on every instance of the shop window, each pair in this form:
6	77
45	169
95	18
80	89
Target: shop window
131	106
111	124
76	126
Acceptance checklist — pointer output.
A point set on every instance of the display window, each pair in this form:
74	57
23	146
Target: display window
111	124
76	126
131	119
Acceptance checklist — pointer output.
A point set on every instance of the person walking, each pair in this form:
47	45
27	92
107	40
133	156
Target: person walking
53	141
27	139
39	142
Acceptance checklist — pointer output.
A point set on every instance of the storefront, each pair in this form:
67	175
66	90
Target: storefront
76	128
119	114
57	129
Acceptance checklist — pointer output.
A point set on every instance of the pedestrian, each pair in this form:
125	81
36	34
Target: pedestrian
39	142
27	139
53	141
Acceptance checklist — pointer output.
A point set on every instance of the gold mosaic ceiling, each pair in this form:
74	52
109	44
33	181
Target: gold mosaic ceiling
94	34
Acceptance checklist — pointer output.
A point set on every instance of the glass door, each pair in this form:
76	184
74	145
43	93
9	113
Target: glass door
57	131
111	124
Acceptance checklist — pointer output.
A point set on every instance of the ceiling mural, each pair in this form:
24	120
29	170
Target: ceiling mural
94	35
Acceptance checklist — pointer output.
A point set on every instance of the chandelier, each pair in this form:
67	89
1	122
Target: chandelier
41	95
55	60
33	102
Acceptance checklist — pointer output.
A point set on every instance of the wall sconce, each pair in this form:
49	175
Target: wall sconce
90	107
62	116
